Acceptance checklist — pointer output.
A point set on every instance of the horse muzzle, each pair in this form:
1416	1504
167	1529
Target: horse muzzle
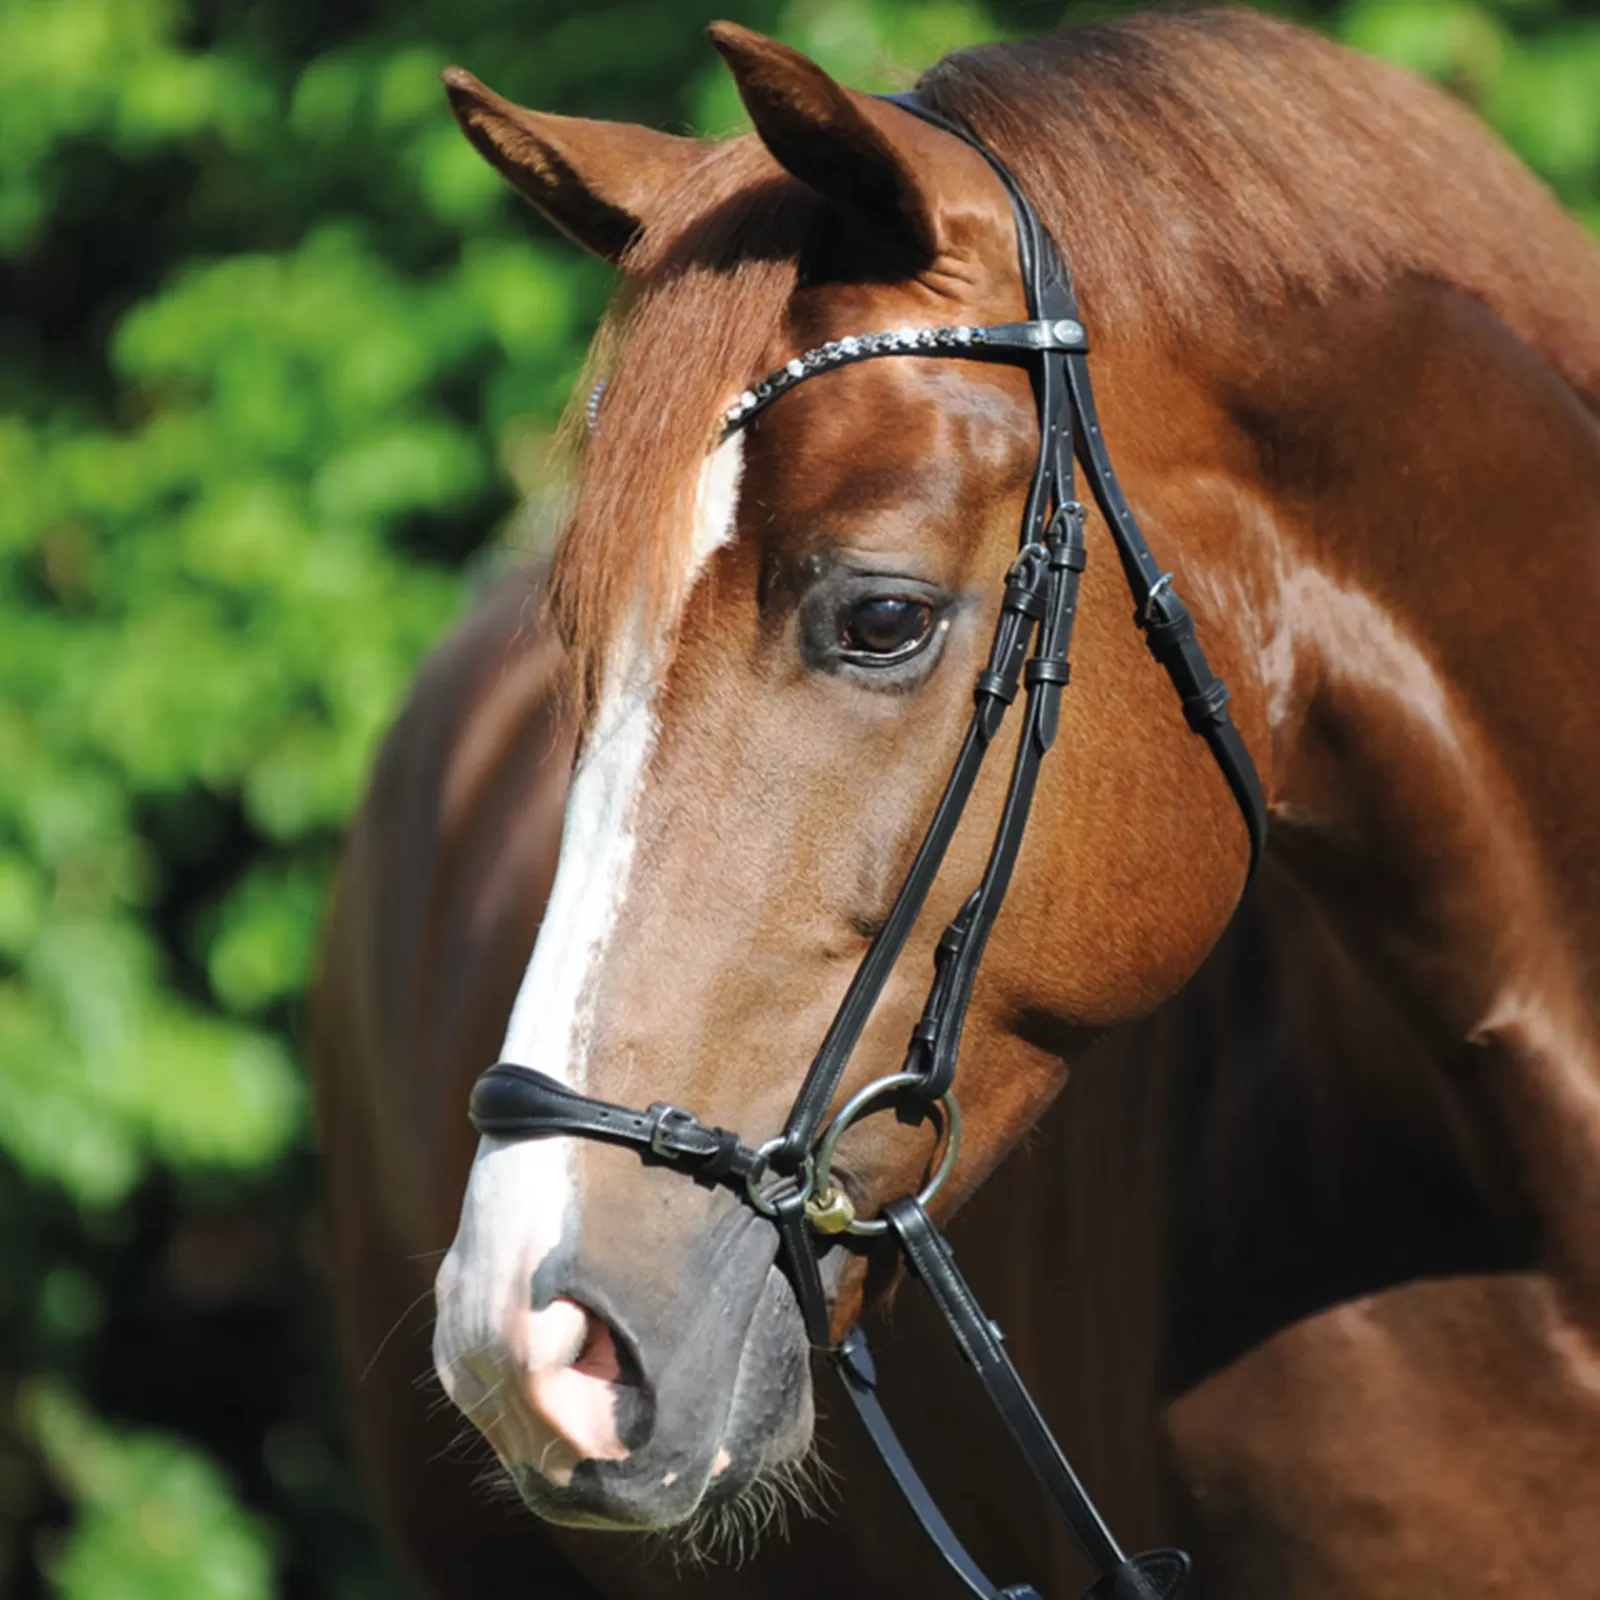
626	1393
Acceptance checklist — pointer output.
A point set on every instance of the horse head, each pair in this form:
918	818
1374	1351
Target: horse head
774	631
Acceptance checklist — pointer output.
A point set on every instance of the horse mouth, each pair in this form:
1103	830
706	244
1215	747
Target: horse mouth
709	1497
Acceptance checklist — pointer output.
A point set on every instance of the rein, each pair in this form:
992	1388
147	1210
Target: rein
789	1177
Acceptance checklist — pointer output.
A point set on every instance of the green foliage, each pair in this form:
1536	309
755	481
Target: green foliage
279	358
155	1520
1531	68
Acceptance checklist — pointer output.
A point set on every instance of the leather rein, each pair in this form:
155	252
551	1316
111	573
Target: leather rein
789	1177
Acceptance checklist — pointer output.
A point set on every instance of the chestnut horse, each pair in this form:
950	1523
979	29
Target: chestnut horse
1305	1261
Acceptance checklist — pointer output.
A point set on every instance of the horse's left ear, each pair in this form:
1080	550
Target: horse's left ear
871	161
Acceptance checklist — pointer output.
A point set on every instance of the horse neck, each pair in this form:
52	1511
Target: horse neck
1429	666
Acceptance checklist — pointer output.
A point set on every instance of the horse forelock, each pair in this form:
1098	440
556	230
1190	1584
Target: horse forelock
1200	171
704	297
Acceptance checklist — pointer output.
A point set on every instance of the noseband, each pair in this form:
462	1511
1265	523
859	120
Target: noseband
789	1178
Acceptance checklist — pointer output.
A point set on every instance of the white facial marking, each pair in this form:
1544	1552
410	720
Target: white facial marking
486	1337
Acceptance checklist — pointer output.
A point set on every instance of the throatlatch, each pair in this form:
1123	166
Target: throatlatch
789	1177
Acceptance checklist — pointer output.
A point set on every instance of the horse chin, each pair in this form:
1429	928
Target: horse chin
708	1497
732	1507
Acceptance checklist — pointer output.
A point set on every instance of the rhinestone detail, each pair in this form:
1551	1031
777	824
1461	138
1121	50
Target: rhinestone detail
840	353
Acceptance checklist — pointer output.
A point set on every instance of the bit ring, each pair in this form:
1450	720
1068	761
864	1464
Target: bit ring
821	1176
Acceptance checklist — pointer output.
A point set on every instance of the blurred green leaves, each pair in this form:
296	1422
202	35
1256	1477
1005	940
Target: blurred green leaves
1531	67
279	356
155	1520
109	70
101	1075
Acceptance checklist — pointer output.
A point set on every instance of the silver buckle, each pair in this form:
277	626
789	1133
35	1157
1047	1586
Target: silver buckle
1157	589
661	1118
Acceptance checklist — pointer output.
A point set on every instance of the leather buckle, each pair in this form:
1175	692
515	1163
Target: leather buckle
1152	601
664	1121
1027	568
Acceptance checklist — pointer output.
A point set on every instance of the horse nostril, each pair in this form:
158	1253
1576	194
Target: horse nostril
599	1357
582	1384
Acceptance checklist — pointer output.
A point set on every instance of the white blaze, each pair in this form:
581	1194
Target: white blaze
518	1192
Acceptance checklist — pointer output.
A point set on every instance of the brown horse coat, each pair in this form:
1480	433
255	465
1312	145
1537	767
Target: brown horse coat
1304	1265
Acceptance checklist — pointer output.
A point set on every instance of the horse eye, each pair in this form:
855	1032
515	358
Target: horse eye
886	628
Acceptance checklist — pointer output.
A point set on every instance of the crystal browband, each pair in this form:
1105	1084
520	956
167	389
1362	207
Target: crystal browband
1062	334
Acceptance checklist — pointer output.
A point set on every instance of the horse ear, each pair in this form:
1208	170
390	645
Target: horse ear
597	181
850	148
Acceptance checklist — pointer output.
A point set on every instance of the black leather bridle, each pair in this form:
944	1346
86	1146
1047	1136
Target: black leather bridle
789	1178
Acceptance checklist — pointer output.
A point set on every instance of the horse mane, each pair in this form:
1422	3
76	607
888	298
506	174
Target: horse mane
1205	167
1200	169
